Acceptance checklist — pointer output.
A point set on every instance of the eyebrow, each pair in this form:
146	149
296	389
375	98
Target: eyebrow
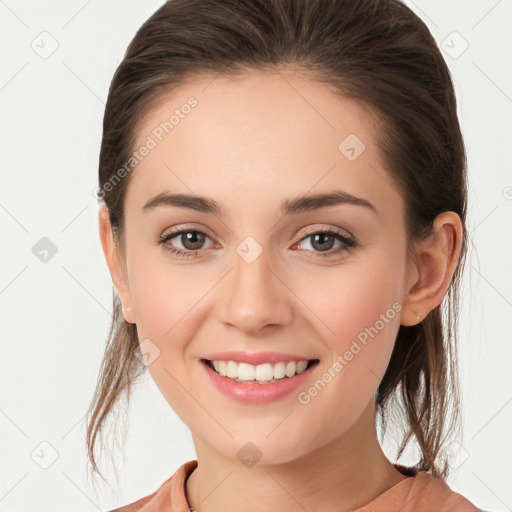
298	204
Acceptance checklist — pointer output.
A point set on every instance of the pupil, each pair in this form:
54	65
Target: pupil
194	238
322	237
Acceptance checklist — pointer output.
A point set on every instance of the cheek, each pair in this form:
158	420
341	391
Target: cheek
349	298
165	300
163	295
358	317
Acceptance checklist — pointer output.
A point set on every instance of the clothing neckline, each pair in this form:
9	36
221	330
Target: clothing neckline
410	472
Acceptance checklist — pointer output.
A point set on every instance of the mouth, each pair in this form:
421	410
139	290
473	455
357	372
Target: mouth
265	373
258	384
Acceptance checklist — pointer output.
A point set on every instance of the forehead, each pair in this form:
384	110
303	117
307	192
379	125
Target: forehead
261	134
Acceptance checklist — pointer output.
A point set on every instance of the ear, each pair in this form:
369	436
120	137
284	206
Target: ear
115	264
430	274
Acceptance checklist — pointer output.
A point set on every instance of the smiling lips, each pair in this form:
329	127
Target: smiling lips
264	382
262	367
263	373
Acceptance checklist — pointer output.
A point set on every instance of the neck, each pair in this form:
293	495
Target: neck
343	475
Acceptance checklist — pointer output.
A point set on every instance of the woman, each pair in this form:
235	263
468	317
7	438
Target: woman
284	202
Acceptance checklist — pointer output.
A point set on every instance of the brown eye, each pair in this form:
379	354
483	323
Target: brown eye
192	240
322	241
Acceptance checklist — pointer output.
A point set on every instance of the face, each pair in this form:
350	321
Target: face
324	280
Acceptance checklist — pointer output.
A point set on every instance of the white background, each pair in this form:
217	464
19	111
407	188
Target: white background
55	315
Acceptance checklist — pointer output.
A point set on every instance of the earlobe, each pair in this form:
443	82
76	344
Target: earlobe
435	263
127	315
114	263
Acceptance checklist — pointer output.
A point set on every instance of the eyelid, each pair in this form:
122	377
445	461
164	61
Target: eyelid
189	227
315	229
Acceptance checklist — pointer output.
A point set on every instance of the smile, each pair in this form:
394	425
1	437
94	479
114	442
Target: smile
266	387
262	373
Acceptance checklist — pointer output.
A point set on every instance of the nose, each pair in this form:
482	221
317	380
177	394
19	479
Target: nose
255	296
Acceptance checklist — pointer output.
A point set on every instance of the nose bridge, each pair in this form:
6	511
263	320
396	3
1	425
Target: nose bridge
254	297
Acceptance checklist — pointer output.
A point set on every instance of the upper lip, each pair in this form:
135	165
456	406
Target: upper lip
256	358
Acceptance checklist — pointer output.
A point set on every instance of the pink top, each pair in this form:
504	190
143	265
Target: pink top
420	492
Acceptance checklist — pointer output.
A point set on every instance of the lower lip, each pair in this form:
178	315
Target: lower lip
257	393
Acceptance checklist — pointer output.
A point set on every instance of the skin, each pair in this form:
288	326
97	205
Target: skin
274	136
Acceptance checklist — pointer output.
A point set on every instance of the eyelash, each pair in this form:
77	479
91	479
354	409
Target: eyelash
349	243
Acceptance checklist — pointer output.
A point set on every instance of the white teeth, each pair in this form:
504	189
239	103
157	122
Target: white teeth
262	372
279	370
265	372
290	369
246	371
301	366
231	370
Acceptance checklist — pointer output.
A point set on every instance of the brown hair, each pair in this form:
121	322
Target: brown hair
377	52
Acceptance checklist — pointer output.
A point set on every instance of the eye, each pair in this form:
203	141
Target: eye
323	240
191	239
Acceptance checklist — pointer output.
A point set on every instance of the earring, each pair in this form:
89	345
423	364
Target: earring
417	316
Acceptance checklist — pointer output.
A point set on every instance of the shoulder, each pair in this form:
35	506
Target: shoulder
429	492
421	492
170	496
